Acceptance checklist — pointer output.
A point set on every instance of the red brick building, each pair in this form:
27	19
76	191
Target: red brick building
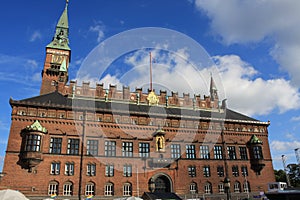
73	141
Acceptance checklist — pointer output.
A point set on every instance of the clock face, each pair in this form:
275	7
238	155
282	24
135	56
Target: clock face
57	59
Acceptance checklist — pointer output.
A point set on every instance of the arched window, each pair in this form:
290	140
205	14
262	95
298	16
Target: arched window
193	188
109	189
207	188
237	187
68	189
221	188
53	188
246	187
127	189
89	189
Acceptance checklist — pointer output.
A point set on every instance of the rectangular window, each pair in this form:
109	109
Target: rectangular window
218	153
127	149
91	169
92	147
110	148
55	145
127	170
109	170
192	171
231	152
235	170
190	151
73	146
243	153
257	153
144	150
244	171
55	168
175	151
204	152
33	142
206	171
69	169
220	171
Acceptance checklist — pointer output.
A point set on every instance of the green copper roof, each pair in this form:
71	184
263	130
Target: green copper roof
36	126
255	140
61	37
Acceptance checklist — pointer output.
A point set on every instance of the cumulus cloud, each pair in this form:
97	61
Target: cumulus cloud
35	36
240	22
282	146
98	28
250	94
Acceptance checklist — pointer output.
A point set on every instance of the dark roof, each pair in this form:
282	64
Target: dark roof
57	100
160	195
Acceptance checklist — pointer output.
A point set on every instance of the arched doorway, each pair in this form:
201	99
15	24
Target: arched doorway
163	183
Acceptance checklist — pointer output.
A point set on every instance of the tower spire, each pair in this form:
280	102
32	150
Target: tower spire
213	89
61	36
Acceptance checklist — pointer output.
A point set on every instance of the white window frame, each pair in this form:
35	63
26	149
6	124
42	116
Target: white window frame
68	189
127	189
53	188
91	169
109	189
237	187
221	188
69	169
89	189
55	168
193	188
207	188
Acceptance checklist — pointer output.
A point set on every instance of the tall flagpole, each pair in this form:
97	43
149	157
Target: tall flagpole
150	72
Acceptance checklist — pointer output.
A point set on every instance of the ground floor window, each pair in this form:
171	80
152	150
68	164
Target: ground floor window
109	189
221	188
246	187
68	189
89	189
53	188
237	187
207	188
193	188
127	189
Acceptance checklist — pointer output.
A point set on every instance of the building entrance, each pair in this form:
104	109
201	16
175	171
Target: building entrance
162	184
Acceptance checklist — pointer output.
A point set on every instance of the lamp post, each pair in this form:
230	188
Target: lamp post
227	187
151	185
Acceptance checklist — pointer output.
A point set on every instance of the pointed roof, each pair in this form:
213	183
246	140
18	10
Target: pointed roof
61	37
63	66
255	140
213	86
36	126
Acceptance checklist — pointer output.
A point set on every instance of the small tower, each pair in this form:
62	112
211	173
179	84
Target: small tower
214	98
58	53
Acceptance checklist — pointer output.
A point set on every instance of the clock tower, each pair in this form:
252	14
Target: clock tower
58	54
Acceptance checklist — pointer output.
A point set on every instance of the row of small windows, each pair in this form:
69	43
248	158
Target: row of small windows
220	171
150	123
109	189
90	188
55	169
34	141
208	187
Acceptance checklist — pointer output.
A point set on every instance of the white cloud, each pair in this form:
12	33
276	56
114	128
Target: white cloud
238	21
296	118
98	28
250	94
282	146
35	35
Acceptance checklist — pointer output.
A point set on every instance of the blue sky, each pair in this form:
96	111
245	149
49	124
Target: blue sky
256	45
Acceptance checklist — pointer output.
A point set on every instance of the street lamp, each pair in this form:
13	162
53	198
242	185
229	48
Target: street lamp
227	187
151	185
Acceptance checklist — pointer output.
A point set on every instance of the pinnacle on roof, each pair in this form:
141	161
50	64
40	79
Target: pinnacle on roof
61	37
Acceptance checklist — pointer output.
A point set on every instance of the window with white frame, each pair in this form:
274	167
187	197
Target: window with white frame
73	146
207	188
109	189
33	142
89	189
244	171
175	151
221	188
109	170
92	147
218	153
204	152
127	149
68	189
69	169
127	170
91	169
55	168
237	187
144	150
127	189
55	145
206	171
246	187
192	171
110	148
53	188
231	152
193	188
190	151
